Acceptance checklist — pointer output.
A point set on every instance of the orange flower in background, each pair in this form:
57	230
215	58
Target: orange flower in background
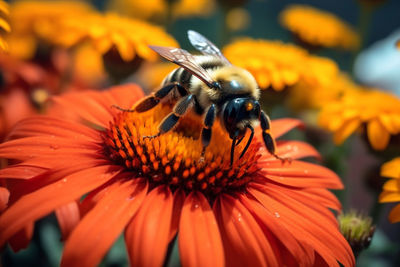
32	21
26	85
4	25
88	66
319	28
130	37
305	95
278	65
190	8
21	85
156	10
391	188
257	212
377	110
139	9
151	75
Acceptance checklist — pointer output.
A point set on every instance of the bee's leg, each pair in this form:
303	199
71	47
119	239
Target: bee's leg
268	139
152	100
233	146
249	141
206	131
171	120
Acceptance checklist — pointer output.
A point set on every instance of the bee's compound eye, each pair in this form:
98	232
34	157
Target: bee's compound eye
249	106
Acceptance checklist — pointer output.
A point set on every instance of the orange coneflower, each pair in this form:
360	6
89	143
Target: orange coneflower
259	212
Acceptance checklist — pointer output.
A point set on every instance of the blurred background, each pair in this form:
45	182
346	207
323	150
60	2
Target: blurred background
309	57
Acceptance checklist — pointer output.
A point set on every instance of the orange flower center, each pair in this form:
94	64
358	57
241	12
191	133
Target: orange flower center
174	158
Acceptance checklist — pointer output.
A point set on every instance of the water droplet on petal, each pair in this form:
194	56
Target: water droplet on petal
64	180
305	171
196	206
277	215
53	146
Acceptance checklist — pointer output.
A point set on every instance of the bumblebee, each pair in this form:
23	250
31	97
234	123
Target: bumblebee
211	86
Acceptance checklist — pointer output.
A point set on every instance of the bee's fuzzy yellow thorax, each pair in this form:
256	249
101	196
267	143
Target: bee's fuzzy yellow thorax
240	75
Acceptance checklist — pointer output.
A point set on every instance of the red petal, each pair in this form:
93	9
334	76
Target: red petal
147	235
82	107
47	125
4	195
281	126
36	146
317	197
21	171
22	238
43	201
96	107
300	174
199	238
24	187
97	231
303	256
122	95
68	217
295	150
318	215
308	226
179	198
244	241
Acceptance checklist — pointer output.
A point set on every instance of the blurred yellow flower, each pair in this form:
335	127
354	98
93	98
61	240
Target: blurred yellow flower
130	37
379	111
4	25
139	9
398	44
237	19
157	9
278	65
88	66
32	20
319	28
304	95
391	189
151	75
188	8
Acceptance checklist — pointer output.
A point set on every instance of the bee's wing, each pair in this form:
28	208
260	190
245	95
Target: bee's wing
205	46
186	60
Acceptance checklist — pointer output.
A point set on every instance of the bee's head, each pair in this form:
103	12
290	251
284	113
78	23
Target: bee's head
239	113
